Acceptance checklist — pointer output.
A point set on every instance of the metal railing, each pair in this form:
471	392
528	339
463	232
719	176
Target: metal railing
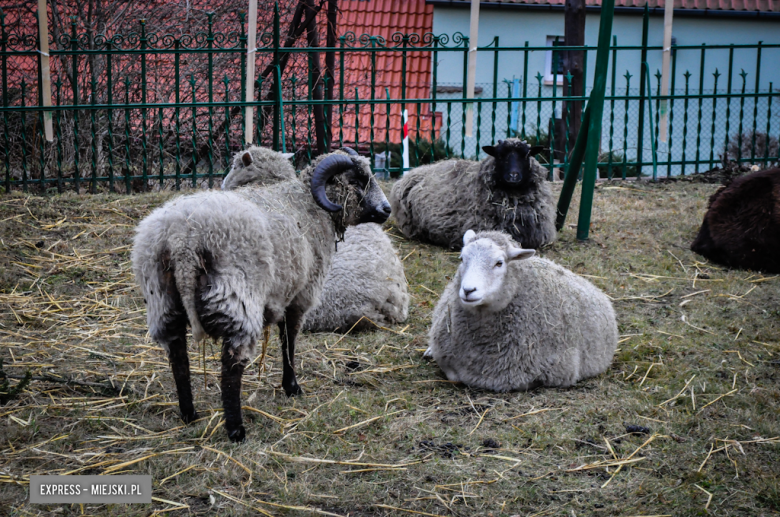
140	111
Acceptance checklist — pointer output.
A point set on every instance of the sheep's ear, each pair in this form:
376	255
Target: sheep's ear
519	254
535	150
468	237
490	150
246	158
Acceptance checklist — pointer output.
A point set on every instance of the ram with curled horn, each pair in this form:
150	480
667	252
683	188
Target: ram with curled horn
231	263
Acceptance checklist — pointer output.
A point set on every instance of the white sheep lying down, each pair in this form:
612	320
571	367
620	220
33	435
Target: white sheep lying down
512	321
366	280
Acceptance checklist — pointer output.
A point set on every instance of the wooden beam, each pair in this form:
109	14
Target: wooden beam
43	31
472	71
668	15
251	47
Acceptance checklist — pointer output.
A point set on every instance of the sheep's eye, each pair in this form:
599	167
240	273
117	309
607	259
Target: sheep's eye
499	263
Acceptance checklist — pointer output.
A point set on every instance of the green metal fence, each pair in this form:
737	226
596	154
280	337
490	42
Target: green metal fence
145	111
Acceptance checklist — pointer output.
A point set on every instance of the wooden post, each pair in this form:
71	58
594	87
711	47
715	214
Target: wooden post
668	14
43	31
251	48
472	71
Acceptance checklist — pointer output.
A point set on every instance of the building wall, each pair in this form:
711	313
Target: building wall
704	136
515	27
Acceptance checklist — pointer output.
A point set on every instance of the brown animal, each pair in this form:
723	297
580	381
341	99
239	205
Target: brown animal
741	228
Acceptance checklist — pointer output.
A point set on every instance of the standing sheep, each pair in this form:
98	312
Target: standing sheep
230	263
508	321
742	225
507	191
367	279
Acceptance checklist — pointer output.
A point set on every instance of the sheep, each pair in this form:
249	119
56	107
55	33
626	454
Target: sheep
741	228
230	263
506	191
366	279
258	165
511	321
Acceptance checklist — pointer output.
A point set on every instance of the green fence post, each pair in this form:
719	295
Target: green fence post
590	133
109	113
280	106
277	114
755	104
74	46
573	170
640	137
650	107
210	46
144	155
4	66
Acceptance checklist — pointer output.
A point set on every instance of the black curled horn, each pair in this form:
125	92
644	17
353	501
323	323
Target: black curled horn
349	151
325	170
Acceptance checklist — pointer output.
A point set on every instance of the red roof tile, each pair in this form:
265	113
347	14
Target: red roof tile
717	5
384	18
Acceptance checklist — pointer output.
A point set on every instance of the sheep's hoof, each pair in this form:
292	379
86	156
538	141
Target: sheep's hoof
190	417
238	434
293	389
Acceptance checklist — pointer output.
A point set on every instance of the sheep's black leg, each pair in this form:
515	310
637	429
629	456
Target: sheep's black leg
232	370
288	331
173	334
180	365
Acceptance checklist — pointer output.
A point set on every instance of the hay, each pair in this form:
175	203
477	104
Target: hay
101	397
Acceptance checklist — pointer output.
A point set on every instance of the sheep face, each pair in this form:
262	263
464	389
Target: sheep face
512	162
373	206
482	272
351	183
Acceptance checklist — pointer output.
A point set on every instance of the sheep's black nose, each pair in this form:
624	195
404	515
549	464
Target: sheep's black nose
384	208
469	291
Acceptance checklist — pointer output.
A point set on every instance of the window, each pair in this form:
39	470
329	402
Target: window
557	57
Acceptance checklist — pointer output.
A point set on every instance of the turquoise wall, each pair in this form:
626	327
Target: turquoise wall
515	27
699	132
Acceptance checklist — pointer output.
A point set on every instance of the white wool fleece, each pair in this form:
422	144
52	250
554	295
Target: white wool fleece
511	321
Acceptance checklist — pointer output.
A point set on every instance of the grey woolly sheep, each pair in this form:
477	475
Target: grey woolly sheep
231	263
258	165
511	321
366	278
507	191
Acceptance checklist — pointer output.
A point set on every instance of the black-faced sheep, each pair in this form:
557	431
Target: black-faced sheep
508	321
507	191
230	263
742	225
366	280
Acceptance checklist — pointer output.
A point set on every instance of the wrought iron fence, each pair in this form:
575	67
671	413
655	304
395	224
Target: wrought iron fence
147	111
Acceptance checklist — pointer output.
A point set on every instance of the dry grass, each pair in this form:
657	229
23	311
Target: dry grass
379	430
